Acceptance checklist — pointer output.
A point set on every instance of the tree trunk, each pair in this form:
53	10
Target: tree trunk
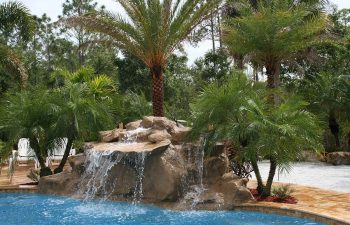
273	74
273	80
238	61
272	172
334	127
212	31
59	169
260	186
157	90
44	170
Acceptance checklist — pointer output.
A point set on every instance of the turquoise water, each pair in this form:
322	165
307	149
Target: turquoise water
32	209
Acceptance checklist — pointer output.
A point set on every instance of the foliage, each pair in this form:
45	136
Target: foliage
213	66
34	175
282	191
152	31
236	111
15	20
273	32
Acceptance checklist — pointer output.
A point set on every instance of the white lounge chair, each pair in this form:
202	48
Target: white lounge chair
58	151
24	153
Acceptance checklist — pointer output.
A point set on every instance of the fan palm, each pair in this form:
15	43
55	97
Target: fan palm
14	17
152	31
271	32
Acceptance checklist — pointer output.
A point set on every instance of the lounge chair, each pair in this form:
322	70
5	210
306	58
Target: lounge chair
24	154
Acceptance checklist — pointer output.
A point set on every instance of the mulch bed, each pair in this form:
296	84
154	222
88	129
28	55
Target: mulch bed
273	198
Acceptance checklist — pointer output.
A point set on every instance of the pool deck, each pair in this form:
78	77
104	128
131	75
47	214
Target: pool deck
313	203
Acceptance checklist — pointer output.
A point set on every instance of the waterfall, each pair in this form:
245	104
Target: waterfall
197	159
140	168
132	135
96	180
97	166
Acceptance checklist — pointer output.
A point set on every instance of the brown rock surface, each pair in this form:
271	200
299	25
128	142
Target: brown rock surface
158	136
338	158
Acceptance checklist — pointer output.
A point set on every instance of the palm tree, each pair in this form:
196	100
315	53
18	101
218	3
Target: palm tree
238	111
81	115
329	96
152	31
14	17
31	114
272	32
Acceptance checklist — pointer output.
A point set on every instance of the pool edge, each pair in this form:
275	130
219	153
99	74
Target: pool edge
292	212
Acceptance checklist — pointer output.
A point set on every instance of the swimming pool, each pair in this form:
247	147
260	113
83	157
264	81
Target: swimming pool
33	209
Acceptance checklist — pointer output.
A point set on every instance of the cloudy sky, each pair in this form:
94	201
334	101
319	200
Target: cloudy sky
53	8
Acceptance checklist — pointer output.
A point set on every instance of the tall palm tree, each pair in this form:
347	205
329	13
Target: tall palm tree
152	31
14	17
271	32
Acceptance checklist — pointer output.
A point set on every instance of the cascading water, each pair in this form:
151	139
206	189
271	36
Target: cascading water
98	165
140	168
197	158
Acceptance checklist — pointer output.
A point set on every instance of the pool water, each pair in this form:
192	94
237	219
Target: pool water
33	209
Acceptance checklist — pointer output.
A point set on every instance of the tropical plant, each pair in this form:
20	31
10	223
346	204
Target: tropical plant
237	111
152	31
15	20
328	95
31	114
272	32
282	191
81	116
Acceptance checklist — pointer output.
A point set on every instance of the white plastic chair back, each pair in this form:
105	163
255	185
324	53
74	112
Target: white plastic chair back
60	147
24	149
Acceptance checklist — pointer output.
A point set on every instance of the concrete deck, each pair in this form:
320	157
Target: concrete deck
330	204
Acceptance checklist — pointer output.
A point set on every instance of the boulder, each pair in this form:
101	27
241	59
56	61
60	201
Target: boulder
163	123
338	158
215	168
110	135
133	125
179	133
158	136
147	121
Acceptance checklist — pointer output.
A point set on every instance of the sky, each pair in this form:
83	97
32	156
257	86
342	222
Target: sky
53	8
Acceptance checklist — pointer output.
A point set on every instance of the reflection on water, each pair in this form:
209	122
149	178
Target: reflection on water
316	174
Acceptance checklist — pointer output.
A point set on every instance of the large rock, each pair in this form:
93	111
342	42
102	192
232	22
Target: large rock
167	168
338	158
158	136
147	122
215	168
133	125
179	134
110	135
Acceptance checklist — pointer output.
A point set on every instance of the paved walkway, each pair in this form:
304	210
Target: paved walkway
315	200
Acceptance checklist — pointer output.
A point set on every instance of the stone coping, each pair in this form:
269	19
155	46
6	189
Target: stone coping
291	212
18	189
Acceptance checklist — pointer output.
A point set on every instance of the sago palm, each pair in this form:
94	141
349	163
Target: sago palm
271	32
151	31
14	17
